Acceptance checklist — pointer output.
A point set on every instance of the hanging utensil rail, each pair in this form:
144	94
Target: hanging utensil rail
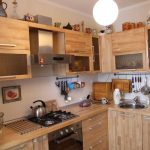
59	78
121	74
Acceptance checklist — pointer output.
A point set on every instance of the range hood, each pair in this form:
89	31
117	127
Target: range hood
48	48
48	53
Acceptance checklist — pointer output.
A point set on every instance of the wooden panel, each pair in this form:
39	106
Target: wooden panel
106	53
123	85
102	89
14	32
125	131
127	41
146	132
78	43
25	146
95	130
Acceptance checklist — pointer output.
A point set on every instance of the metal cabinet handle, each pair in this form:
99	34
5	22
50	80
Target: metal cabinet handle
146	117
92	147
8	45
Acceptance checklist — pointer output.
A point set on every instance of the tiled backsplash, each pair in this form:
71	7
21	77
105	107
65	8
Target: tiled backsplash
109	77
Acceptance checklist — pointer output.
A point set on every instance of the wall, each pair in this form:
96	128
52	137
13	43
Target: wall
47	8
41	88
44	88
134	13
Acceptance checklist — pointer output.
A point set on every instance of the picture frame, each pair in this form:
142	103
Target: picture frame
11	94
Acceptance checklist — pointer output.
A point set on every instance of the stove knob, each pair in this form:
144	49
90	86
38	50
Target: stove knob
66	130
61	133
72	128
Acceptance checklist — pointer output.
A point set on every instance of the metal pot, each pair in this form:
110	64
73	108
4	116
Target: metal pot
2	9
39	110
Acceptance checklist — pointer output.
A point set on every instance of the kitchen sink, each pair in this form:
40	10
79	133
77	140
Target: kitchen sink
132	105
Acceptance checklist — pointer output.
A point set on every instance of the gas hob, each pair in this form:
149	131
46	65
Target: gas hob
52	118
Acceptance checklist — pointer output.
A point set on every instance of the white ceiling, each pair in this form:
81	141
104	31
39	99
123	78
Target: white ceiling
86	6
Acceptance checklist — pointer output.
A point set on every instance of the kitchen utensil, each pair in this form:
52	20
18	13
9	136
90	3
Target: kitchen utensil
86	102
145	89
2	9
1	121
133	86
39	110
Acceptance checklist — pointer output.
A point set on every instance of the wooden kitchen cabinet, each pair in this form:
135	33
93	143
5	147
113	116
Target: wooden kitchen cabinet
106	53
41	143
14	50
129	51
95	131
25	146
125	131
78	43
14	34
129	41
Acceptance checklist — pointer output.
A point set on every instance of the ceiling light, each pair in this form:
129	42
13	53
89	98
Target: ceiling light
105	12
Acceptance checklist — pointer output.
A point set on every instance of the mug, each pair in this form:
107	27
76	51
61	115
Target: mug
104	100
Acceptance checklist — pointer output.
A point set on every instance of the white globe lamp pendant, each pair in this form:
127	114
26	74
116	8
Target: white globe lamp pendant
105	12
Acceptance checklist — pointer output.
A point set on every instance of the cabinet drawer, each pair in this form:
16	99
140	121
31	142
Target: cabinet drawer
100	120
97	143
14	35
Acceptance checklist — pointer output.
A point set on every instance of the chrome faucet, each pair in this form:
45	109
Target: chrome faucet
137	100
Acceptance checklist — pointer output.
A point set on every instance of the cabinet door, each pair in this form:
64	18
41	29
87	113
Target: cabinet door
106	53
41	143
14	34
129	41
78	43
96	54
127	134
146	133
14	66
129	61
95	130
80	64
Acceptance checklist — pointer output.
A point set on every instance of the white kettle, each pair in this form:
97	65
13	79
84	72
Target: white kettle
116	96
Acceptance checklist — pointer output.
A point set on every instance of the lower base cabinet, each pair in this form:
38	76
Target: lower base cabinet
125	131
95	131
40	143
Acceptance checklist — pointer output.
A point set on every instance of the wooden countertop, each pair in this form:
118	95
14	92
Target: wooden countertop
10	138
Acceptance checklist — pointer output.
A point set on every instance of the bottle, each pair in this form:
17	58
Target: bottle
116	96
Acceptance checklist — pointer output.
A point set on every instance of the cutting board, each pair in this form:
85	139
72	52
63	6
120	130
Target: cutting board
102	90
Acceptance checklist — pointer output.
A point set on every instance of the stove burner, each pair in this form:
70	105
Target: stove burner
53	117
49	122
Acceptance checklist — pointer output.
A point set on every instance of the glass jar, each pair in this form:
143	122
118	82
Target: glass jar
1	121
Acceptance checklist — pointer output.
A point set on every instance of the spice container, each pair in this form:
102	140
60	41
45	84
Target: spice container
1	121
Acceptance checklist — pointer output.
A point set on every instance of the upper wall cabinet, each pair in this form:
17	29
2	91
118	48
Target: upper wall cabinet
129	51
78	43
14	50
14	35
129	41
